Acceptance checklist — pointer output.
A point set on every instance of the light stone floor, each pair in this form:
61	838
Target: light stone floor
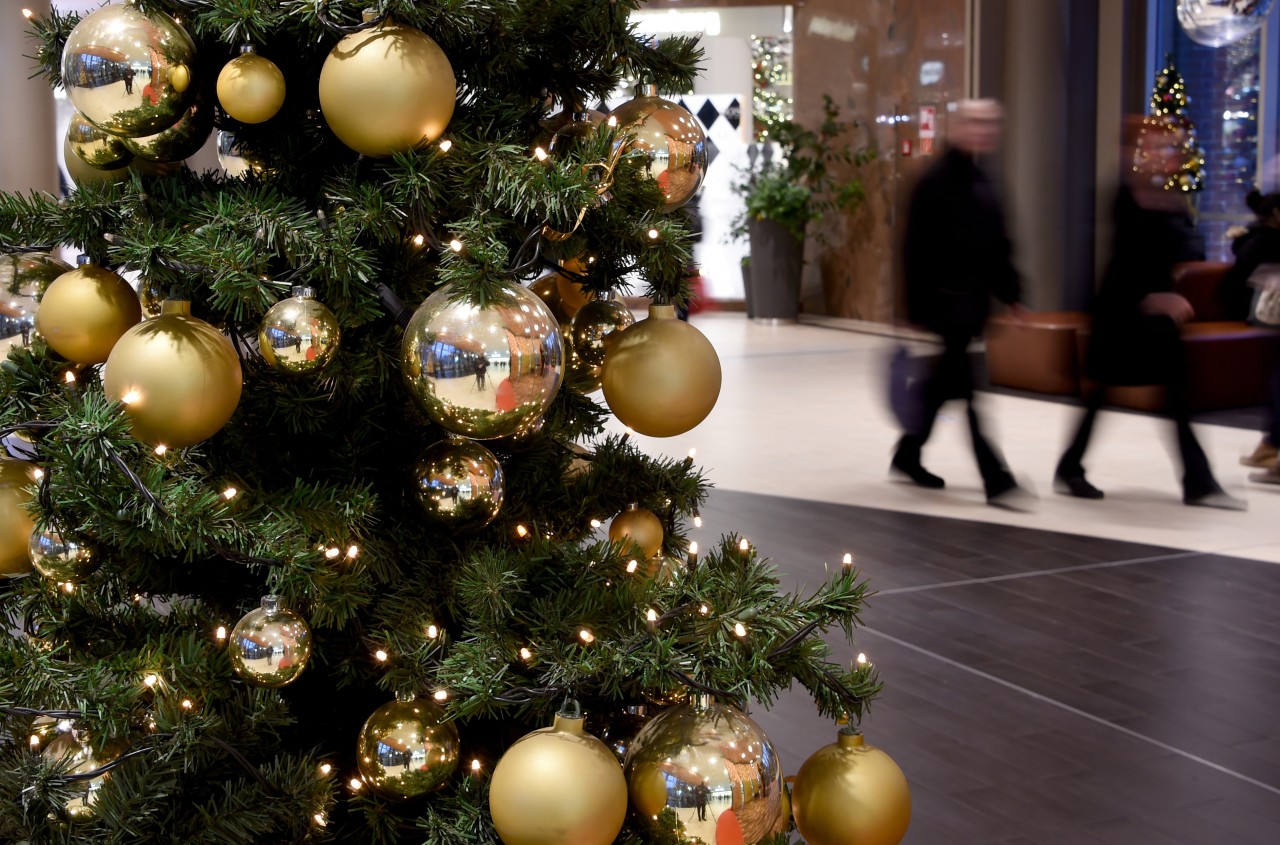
802	414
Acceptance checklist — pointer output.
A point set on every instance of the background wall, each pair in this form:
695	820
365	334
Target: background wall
27	162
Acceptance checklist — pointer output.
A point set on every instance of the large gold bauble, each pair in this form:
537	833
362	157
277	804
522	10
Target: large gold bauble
388	89
671	139
251	88
483	372
58	559
637	529
178	378
713	769
16	526
558	786
84	174
661	376
299	334
27	273
98	149
270	645
407	748
75	757
128	71
179	141
593	324
85	312
851	792
459	484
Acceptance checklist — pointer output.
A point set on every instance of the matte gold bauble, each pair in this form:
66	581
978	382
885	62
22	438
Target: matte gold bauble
94	147
459	484
85	312
851	792
593	324
299	334
270	645
27	273
407	748
483	372
251	88
16	526
74	757
237	161
58	559
661	376
388	89
637	528
178	378
711	770
179	141
127	71
672	141
558	786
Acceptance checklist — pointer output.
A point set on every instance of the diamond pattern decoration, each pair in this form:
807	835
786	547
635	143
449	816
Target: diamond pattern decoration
708	114
712	151
733	113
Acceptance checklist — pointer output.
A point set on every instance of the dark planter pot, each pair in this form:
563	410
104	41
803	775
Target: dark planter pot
776	258
746	288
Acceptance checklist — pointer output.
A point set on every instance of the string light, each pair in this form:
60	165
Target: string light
187	704
540	154
129	398
693	553
355	784
151	680
161	449
319	819
653	234
455	245
419	240
847	563
475	765
744	549
586	636
862	659
325	768
522	532
739	629
432	632
353	552
697	521
69	587
69	377
446	145
28	14
230	493
37	473
632	566
34	741
440	695
612	122
704	610
220	634
526	655
380	656
595	523
332	552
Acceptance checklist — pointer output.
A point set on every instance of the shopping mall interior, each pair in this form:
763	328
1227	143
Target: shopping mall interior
1063	670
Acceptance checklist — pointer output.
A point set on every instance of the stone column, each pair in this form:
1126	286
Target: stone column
28	156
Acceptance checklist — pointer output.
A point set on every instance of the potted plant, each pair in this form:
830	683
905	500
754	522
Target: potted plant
782	196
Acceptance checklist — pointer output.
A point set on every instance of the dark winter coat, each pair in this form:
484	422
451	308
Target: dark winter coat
1258	245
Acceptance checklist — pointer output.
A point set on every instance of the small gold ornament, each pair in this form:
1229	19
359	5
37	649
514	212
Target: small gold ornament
547	288
407	748
671	139
270	645
388	89
579	376
58	559
178	378
483	372
180	141
459	484
713	769
299	334
851	792
593	324
618	730
556	786
236	160
16	526
127	71
94	147
251	88
74	757
641	528
85	312
661	376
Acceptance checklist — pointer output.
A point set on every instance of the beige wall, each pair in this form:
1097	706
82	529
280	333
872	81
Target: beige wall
27	156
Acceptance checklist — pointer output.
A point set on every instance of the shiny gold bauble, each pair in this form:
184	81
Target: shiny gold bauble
674	145
26	273
58	559
388	89
75	757
236	160
579	376
177	376
661	376
558	786
98	149
407	748
710	766
593	324
459	484
85	312
851	792
179	141
547	288
637	528
270	645
299	334
483	372
127	71
251	88
83	174
16	526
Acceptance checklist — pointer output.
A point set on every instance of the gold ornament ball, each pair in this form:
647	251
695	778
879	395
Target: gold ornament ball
388	89
58	559
84	174
672	140
270	645
75	757
459	484
661	376
16	526
299	334
85	312
710	766
407	748
579	376
178	378
179	141
483	372
572	295
558	786
94	147
547	288
237	161
851	792
637	527
595	322
127	71
251	88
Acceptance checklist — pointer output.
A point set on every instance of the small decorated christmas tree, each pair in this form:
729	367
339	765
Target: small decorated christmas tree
1169	99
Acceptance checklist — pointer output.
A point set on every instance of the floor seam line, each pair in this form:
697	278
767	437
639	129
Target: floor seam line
1014	576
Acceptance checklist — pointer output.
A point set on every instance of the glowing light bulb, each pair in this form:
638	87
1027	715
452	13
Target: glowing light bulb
37	473
697	522
440	695
653	234
355	784
446	145
353	552
455	245
419	240
380	655
28	14
332	552
475	765
221	633
739	629
862	659
161	449
187	704
704	610
847	563
319	819
151	680
692	453
611	123
230	493
432	632
69	587
33	740
586	636
651	615
595	523
525	654
129	398
540	154
522	532
632	566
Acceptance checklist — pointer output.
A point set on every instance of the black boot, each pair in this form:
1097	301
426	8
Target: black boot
906	461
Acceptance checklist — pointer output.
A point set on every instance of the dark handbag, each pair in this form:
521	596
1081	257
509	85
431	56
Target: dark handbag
908	385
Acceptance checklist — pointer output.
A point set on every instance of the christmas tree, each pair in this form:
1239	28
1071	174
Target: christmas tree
306	537
1169	99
